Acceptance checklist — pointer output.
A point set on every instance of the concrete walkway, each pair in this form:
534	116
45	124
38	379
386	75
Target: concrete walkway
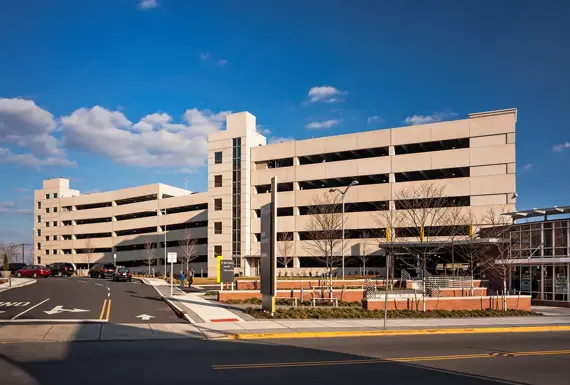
16	282
201	310
194	305
95	332
217	330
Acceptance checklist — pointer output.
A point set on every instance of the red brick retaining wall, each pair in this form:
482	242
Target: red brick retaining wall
306	284
346	296
450	303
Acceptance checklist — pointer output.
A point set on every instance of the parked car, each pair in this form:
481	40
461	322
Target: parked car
34	271
14	267
122	274
62	268
102	270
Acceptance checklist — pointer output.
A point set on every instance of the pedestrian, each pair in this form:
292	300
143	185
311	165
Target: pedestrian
182	278
190	277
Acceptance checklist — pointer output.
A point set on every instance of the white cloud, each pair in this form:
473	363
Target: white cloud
326	94
152	142
204	55
433	118
527	166
375	118
324	124
6	206
280	139
26	133
24	211
561	147
263	130
148	4
223	62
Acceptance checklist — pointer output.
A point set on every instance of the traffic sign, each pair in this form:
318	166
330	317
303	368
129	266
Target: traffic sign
227	271
171	257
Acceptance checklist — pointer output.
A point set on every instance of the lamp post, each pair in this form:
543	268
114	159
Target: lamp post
161	210
343	194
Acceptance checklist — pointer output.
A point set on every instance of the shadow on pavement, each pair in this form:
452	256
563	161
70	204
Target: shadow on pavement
194	360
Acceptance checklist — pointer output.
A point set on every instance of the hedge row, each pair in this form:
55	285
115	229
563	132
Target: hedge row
340	313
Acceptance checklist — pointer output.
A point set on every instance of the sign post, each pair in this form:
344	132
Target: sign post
171	257
268	260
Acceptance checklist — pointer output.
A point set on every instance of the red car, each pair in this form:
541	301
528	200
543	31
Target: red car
34	271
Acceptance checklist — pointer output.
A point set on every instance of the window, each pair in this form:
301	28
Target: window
55	209
47	210
47	224
39	219
39	205
55	195
47	196
39	246
217	181
54	223
39	260
39	232
217	227
47	251
217	251
217	204
217	157
47	237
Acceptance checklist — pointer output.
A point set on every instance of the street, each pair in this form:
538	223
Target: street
520	358
83	299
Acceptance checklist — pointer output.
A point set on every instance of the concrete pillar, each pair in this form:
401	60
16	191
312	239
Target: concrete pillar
391	151
296	263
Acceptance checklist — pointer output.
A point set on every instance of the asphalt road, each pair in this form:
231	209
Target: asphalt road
56	299
491	359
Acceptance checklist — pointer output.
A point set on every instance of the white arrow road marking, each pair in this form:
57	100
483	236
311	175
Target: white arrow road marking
2	311
59	309
27	310
144	317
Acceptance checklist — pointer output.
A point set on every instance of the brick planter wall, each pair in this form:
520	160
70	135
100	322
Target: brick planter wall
306	284
347	295
450	303
465	292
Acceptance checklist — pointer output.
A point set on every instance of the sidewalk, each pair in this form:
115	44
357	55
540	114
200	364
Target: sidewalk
17	282
266	329
197	308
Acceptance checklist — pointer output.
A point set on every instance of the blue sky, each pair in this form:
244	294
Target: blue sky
102	91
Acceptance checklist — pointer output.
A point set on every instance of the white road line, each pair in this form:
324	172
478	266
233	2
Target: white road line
98	284
25	311
52	321
108	288
108	294
82	281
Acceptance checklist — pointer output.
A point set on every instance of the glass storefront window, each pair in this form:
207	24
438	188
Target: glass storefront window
560	282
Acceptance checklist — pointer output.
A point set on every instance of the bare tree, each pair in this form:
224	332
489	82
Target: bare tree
504	247
285	245
417	220
364	254
187	248
11	250
324	229
458	221
89	250
149	254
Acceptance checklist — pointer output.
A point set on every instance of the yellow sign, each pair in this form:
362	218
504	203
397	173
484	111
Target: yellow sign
388	235
422	233
218	268
470	231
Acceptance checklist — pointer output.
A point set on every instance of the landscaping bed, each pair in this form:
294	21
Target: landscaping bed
355	312
288	302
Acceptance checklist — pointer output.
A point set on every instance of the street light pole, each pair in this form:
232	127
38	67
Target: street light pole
161	211
343	194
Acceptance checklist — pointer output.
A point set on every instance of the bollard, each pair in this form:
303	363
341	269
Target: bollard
301	293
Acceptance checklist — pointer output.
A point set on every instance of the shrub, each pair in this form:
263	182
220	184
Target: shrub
5	265
354	312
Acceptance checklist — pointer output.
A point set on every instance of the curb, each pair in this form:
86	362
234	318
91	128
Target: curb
388	333
179	312
21	285
175	308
